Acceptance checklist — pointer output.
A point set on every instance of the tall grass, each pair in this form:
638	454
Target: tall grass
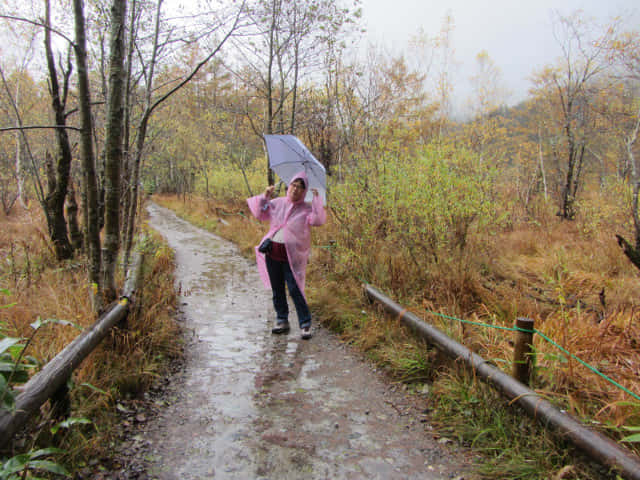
122	366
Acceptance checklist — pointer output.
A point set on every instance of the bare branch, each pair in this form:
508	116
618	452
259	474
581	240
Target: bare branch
39	24
38	127
199	65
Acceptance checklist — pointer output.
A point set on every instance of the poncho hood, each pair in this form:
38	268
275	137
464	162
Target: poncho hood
302	176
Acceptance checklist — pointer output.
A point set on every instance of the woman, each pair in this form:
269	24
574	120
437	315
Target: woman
286	261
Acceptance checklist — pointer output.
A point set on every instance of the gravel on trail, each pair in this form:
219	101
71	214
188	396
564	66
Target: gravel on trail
246	404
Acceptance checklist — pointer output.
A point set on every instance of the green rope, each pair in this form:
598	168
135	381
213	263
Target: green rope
566	352
593	369
497	327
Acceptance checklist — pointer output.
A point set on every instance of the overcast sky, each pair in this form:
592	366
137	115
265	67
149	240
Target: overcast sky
516	34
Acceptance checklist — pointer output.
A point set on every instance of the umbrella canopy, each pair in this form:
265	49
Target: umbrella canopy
289	156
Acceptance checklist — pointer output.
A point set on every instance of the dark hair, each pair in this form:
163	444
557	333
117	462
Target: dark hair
301	182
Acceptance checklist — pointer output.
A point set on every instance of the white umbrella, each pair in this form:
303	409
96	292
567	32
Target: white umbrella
288	156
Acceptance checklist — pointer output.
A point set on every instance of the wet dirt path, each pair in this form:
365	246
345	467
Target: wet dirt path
251	405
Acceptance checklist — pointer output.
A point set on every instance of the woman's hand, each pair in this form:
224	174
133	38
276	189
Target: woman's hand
268	192
315	192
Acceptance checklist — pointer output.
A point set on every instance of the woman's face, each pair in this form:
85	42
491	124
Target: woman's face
295	192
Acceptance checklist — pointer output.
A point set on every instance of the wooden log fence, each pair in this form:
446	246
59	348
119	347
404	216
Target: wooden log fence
597	446
52	379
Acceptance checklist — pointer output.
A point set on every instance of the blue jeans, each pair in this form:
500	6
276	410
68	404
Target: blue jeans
279	274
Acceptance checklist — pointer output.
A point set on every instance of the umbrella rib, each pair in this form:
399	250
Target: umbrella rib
301	154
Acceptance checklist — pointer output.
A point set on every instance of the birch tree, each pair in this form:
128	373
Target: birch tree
568	88
91	209
114	146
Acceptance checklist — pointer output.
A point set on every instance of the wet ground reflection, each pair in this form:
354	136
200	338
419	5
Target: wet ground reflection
250	405
224	305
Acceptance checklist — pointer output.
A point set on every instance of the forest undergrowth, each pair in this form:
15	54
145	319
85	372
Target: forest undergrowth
35	286
440	242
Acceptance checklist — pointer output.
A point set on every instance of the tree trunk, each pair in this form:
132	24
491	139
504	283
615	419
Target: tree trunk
92	220
20	161
633	254
133	200
541	163
126	165
113	148
72	218
58	176
272	49
567	198
148	111
296	72
140	139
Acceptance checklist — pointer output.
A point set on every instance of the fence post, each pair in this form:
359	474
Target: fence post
523	352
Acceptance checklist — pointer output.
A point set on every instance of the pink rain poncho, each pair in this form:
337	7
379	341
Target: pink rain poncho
295	220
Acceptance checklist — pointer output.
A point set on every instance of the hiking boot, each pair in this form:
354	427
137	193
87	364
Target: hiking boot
280	327
305	333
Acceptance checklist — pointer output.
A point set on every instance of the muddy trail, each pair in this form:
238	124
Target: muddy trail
247	404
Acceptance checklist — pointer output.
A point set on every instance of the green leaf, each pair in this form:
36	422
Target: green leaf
29	460
95	389
7	395
7	343
4	291
15	464
635	438
6	367
41	323
69	423
43	452
49	466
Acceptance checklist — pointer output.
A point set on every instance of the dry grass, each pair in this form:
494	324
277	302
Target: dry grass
39	287
124	364
582	292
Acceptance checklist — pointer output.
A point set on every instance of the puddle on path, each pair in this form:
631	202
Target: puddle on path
249	405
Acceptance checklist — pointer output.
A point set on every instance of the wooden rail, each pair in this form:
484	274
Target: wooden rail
598	446
54	375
